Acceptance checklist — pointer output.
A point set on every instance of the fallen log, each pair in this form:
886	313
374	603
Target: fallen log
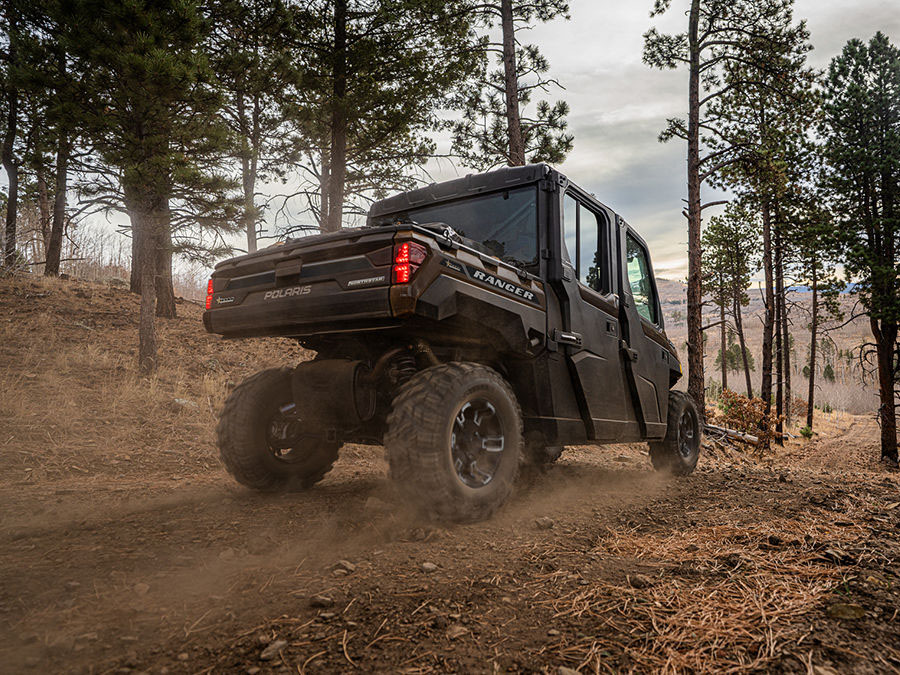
729	433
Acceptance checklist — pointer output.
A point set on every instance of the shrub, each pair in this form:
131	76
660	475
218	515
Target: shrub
806	432
747	415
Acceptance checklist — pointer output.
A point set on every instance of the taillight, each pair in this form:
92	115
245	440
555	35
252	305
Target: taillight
209	294
407	258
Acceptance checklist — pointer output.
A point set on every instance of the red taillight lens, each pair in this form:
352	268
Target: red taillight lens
402	274
209	294
407	258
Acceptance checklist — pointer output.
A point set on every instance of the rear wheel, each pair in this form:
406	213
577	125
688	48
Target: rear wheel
679	451
454	441
263	443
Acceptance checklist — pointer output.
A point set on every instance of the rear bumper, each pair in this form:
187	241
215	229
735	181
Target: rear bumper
321	310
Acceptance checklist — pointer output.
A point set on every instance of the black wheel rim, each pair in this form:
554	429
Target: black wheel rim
477	442
686	434
283	434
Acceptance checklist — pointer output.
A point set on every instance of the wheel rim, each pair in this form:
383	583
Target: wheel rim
686	434
283	434
477	442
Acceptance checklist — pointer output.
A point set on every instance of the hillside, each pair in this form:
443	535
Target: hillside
852	390
125	547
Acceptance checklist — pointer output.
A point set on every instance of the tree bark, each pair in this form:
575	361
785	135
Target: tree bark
137	249
324	180
165	292
768	320
885	342
780	337
739	326
787	358
142	211
43	210
724	350
813	330
338	149
58	226
696	383
249	154
10	165
249	215
511	84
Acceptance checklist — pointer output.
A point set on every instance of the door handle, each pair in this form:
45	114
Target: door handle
631	354
567	338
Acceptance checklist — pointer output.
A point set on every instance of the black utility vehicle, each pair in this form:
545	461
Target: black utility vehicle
470	327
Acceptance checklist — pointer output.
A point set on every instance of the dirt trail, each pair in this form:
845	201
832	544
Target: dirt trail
124	547
205	575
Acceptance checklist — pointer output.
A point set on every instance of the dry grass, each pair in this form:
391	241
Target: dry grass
74	402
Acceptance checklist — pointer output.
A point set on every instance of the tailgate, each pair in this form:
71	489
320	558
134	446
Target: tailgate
316	284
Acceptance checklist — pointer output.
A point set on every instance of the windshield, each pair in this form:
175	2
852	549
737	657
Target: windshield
504	223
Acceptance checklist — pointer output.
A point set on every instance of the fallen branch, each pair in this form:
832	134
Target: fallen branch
722	432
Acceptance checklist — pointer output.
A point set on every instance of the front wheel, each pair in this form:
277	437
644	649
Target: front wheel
263	443
454	441
679	451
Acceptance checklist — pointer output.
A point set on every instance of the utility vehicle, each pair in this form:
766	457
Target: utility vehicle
470	327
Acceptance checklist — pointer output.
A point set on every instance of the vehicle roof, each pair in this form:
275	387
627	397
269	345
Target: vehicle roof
473	184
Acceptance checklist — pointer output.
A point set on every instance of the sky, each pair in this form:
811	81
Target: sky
619	105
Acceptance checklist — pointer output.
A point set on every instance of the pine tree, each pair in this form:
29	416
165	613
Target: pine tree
761	125
861	130
494	129
10	152
150	113
727	44
372	78
814	269
731	253
251	49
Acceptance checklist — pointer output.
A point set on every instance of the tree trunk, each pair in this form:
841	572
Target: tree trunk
54	249
780	337
787	358
142	211
739	326
324	180
724	350
696	383
511	84
813	329
768	320
44	210
137	244
249	150
10	165
885	341
248	181
165	292
338	149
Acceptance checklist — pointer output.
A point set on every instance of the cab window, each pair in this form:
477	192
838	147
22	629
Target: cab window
640	281
586	235
569	228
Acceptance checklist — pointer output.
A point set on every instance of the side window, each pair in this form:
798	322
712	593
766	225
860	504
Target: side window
639	279
586	234
593	265
570	227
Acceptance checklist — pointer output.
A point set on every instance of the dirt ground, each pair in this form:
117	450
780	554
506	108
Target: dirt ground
125	547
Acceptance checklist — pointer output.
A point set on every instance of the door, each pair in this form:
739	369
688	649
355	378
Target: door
593	332
646	358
